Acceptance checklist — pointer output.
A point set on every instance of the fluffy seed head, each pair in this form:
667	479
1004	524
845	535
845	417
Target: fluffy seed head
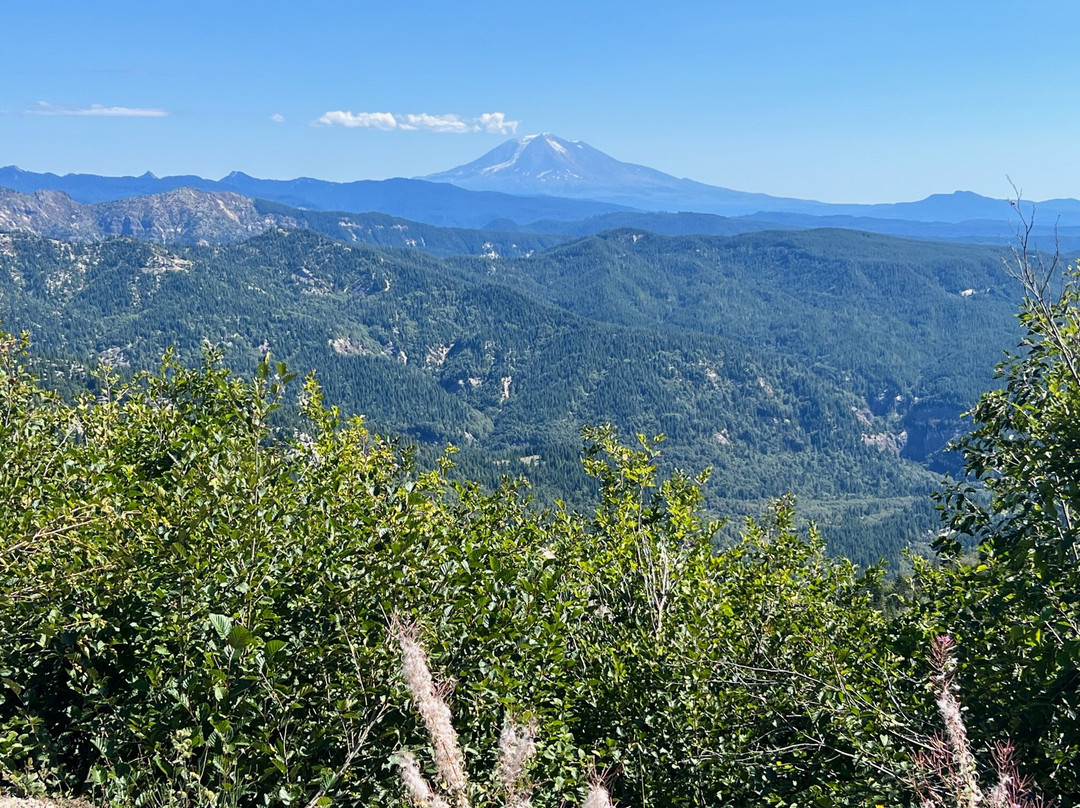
417	785
433	710
516	748
598	797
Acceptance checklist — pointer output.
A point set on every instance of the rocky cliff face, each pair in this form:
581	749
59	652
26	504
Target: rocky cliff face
930	427
183	216
43	213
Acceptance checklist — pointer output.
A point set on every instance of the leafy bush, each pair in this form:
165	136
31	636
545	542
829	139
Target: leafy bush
194	608
1014	610
176	600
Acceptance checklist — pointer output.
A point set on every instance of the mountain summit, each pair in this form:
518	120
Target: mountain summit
548	164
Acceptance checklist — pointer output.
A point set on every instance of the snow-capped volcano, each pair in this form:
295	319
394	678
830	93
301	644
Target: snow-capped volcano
550	165
547	164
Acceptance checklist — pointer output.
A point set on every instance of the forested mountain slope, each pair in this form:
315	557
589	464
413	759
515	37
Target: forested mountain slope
757	356
902	325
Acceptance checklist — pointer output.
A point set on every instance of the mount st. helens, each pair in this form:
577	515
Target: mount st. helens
548	164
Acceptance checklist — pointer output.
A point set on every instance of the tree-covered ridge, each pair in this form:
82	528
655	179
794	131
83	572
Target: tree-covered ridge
391	231
888	316
786	362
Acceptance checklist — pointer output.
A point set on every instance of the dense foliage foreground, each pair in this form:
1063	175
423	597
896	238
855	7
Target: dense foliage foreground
195	608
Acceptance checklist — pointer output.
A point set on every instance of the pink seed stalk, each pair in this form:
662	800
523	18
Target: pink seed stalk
434	712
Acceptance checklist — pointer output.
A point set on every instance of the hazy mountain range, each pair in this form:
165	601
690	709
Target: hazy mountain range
186	216
548	180
434	203
548	164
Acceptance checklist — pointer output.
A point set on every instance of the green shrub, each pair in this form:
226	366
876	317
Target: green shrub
194	608
1014	610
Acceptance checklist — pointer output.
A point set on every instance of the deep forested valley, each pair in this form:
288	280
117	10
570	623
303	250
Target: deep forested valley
830	364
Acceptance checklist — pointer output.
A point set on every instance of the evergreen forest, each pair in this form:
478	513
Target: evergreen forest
830	364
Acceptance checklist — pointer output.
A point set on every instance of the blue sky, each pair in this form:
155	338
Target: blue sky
838	101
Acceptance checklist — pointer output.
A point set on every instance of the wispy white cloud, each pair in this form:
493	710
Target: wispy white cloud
432	123
277	117
495	123
364	120
95	110
490	122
